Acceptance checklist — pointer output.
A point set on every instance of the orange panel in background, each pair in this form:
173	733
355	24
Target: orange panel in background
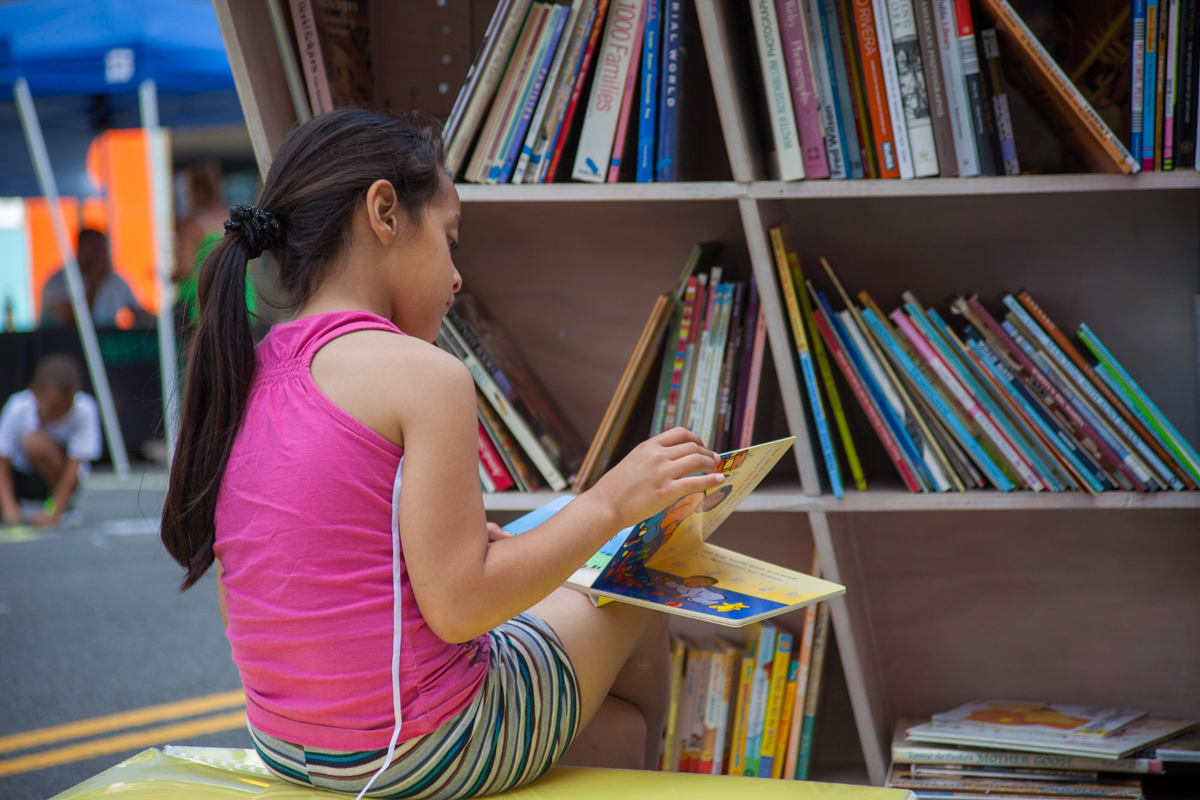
44	257
117	166
122	155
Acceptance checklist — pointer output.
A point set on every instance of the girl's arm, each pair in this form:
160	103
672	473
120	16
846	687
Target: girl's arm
464	585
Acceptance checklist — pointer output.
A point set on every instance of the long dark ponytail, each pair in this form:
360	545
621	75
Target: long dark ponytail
319	177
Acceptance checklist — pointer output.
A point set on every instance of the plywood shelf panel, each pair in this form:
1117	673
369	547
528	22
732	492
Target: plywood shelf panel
788	498
1082	606
1184	180
897	498
600	192
950	187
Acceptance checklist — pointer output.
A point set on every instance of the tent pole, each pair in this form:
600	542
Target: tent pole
83	315
159	174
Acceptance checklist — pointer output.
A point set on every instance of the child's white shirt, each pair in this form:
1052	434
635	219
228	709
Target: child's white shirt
78	432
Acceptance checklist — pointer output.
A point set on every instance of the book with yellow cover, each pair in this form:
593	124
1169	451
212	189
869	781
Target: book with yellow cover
666	562
670	756
779	678
737	746
785	723
732	670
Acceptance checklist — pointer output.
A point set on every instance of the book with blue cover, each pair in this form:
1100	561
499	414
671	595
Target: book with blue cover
669	83
649	109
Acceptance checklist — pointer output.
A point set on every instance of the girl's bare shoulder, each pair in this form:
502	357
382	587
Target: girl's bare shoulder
383	378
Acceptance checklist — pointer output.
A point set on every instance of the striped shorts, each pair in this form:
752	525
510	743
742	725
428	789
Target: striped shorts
519	723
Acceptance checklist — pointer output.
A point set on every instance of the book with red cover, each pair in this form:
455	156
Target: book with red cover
876	89
860	392
502	360
491	461
1080	429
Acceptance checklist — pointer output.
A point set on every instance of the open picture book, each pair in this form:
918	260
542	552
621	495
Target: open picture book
666	562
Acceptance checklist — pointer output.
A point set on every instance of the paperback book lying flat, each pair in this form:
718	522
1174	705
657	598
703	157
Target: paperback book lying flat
1134	736
1058	719
666	562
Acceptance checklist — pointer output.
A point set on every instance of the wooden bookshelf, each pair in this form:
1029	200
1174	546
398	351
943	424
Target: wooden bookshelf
1001	185
599	193
950	597
889	496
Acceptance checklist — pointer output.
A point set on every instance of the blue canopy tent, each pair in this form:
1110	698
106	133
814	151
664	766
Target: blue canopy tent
94	65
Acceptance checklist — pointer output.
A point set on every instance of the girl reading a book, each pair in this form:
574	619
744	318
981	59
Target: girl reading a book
391	641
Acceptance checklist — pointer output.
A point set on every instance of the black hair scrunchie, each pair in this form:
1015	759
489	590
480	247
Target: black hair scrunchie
261	229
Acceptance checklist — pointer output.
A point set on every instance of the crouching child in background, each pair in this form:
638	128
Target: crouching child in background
48	434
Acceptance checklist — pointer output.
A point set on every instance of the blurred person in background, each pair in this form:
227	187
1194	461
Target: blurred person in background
108	295
196	234
48	434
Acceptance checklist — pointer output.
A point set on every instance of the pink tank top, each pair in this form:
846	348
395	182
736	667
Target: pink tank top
307	533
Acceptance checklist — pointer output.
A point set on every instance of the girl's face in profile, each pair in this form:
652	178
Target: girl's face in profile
425	277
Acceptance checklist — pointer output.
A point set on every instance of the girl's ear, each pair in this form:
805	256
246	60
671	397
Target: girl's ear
384	212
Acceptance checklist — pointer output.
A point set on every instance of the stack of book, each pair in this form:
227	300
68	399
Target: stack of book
1010	402
1022	750
747	711
525	441
914	88
601	78
709	336
1165	69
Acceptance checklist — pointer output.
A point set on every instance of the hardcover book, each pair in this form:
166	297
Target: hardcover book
335	52
666	562
875	89
786	161
891	83
1100	147
912	89
615	58
823	76
805	101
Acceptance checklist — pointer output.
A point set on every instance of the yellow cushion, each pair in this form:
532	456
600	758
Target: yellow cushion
217	773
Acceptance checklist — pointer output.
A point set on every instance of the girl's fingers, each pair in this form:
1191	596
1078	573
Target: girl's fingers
679	451
677	436
693	463
696	483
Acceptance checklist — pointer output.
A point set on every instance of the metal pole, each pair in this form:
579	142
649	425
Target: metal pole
291	70
159	175
83	315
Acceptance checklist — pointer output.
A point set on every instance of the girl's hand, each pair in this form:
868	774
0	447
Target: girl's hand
657	473
496	533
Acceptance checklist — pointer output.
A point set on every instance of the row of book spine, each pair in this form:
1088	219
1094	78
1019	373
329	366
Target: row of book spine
525	441
711	337
1010	402
1165	63
747	711
905	88
609	69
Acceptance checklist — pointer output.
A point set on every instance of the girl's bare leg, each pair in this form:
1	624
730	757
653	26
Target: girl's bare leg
619	651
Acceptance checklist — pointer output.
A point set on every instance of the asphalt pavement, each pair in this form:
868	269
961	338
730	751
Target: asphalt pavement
92	624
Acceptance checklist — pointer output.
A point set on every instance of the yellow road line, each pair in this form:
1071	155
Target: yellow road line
163	734
124	719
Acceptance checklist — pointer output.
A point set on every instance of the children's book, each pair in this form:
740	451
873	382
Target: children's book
1134	736
666	562
1054	718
